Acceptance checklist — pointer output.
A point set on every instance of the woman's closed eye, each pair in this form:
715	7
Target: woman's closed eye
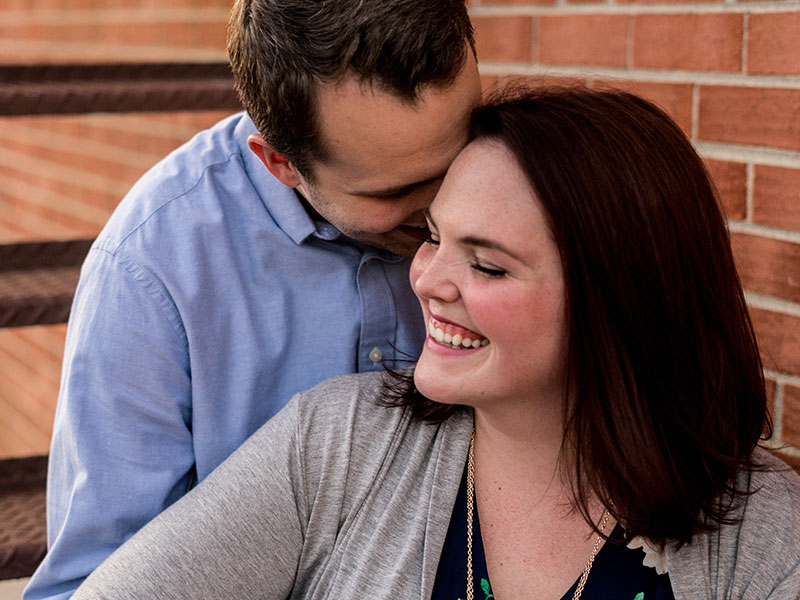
488	271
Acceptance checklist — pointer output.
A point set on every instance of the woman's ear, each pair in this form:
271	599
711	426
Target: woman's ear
277	164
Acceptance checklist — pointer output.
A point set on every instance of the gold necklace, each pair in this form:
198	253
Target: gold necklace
471	507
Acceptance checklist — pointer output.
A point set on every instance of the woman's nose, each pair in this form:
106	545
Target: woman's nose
432	277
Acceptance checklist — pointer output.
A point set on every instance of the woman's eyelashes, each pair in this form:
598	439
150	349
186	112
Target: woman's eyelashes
488	271
474	263
432	238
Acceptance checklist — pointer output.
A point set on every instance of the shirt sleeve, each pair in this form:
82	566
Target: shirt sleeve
122	445
239	534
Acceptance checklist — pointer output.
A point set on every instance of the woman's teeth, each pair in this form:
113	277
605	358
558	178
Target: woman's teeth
456	340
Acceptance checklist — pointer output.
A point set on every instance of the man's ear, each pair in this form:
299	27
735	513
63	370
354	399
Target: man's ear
277	164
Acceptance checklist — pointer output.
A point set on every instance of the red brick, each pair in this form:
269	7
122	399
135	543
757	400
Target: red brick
503	39
743	115
661	1
164	34
768	266
779	340
210	34
150	134
769	385
674	98
791	415
791	459
689	42
545	80
730	179
583	40
114	38
772	46
516	2
775	197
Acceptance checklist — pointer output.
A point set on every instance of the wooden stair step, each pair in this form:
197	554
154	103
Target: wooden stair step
23	534
38	280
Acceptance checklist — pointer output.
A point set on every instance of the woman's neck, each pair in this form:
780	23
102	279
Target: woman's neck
525	444
535	543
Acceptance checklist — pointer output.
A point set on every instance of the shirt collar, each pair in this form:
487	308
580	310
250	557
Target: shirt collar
279	200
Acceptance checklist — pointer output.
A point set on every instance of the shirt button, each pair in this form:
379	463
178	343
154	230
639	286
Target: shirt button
376	355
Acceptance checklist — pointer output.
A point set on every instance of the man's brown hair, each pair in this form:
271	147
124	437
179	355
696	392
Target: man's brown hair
281	50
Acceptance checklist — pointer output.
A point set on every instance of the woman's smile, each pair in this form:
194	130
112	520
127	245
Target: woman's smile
453	336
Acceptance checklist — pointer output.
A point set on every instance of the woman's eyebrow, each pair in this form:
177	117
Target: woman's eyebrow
480	242
472	240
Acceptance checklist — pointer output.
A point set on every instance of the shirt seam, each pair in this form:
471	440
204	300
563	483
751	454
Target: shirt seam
149	285
170	200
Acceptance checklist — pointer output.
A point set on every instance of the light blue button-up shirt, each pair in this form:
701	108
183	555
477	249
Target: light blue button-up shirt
208	300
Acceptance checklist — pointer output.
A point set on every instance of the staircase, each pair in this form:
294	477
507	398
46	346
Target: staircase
38	279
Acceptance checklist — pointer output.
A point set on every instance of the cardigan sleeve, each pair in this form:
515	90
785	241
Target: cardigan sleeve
237	535
336	495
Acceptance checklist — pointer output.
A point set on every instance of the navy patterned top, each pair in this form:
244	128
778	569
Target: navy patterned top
618	572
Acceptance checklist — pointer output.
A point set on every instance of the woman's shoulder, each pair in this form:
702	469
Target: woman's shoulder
759	555
771	514
344	388
347	418
347	401
775	488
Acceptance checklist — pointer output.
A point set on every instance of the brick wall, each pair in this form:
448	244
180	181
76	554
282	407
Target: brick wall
728	72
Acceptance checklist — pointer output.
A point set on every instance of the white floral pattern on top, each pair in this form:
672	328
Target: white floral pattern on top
653	557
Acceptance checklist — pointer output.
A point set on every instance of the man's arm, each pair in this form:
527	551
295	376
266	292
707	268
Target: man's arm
239	534
122	443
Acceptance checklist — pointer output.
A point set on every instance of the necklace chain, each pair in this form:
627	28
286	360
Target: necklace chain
471	507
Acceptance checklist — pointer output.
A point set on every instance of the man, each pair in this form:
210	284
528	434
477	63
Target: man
219	288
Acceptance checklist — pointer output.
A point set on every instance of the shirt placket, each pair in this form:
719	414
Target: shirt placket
378	314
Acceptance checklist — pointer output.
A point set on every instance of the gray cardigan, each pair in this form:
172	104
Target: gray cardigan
337	497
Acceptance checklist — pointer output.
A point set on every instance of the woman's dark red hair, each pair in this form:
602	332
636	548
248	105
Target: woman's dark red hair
665	399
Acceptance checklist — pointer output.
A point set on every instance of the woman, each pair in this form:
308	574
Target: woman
590	382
